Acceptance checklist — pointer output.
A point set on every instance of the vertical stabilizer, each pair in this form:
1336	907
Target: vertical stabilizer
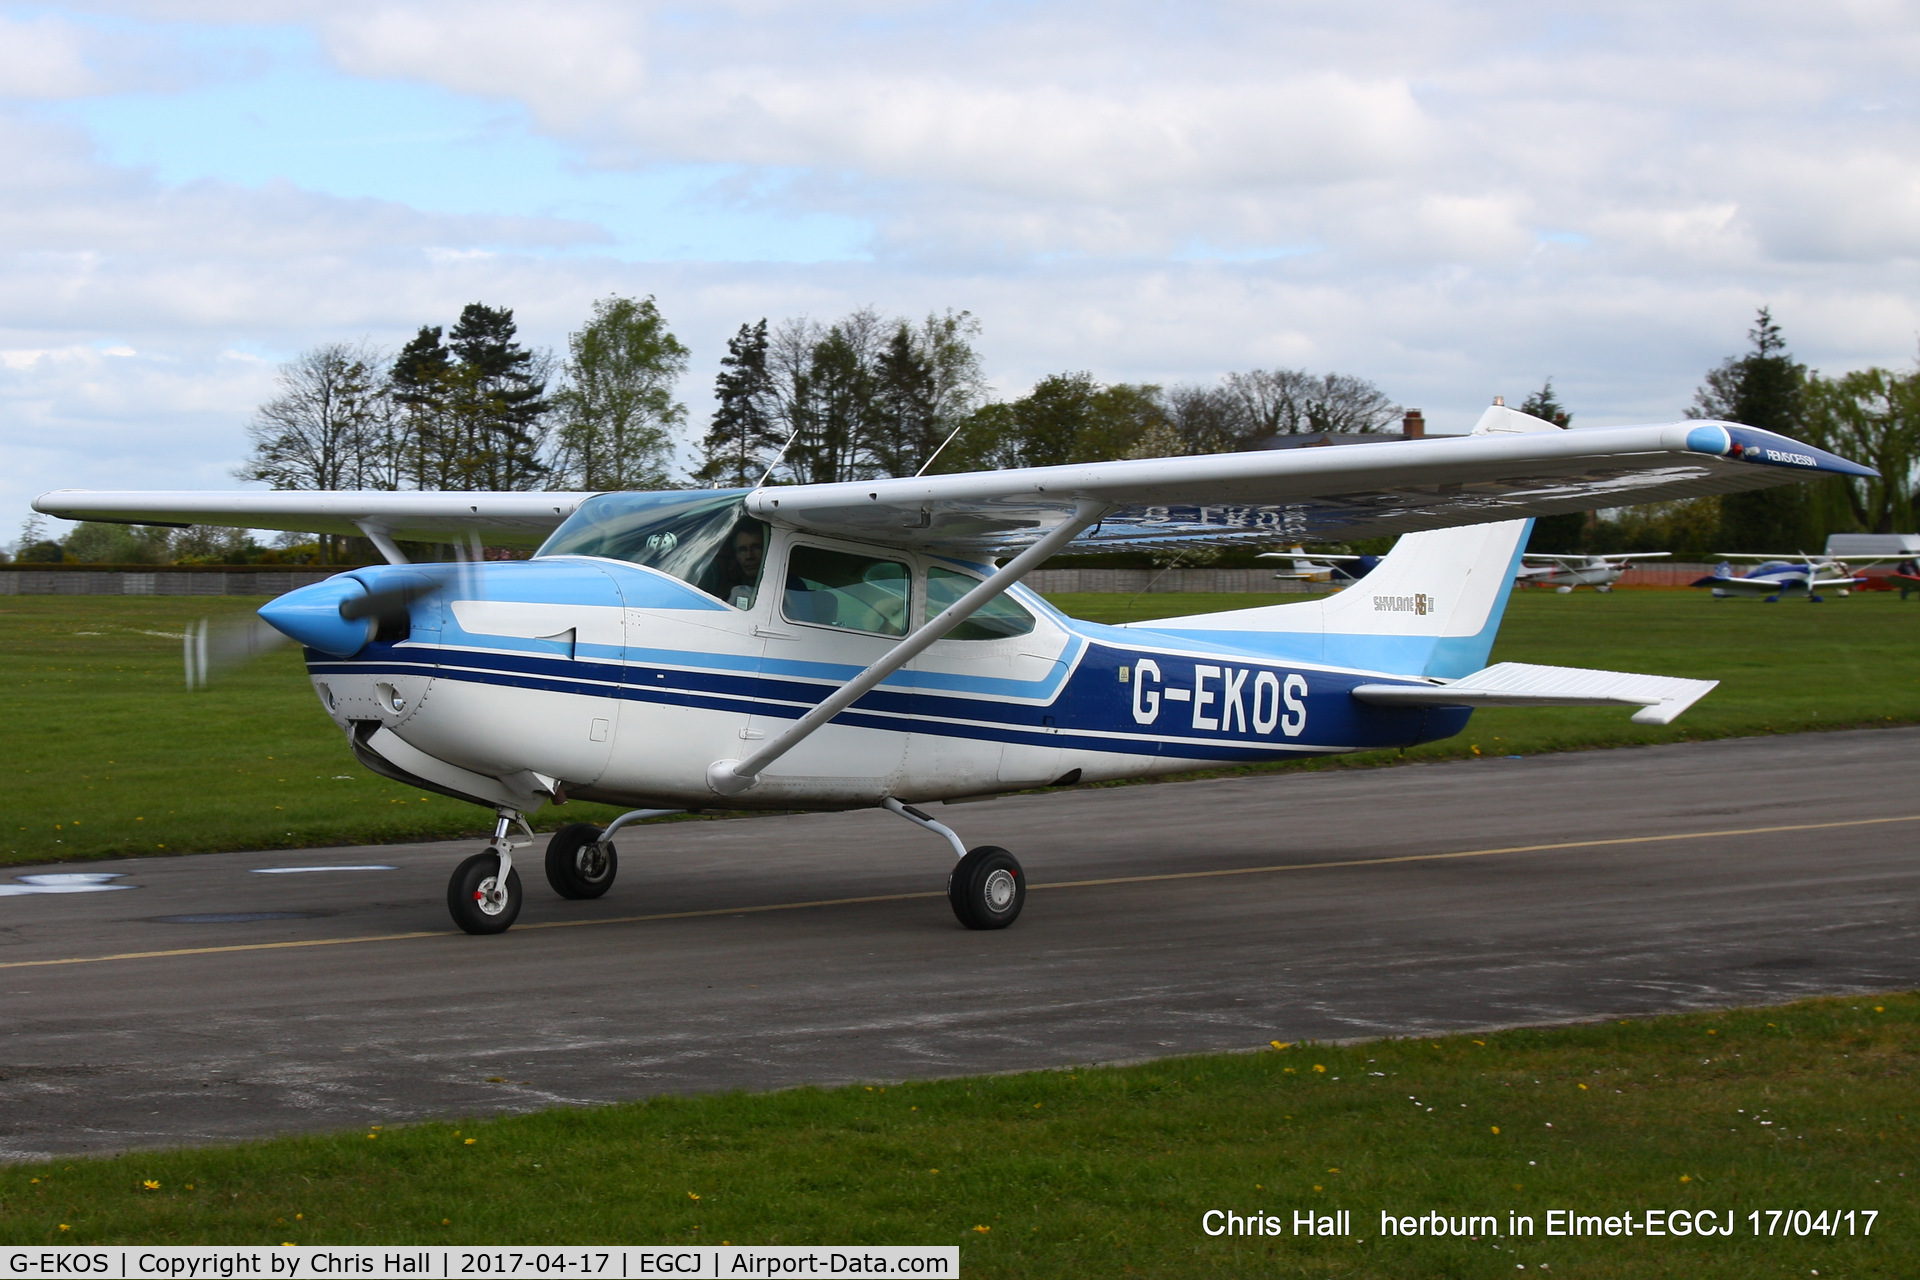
1430	608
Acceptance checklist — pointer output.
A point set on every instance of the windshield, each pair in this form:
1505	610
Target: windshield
701	536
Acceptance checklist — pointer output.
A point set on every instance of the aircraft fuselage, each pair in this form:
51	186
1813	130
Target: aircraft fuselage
621	683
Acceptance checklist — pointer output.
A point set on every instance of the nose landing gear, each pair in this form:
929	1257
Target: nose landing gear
484	894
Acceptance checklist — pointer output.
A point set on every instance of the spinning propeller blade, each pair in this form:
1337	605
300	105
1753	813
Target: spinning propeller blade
215	648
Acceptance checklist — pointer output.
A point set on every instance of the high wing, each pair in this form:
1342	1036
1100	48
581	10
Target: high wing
505	519
1315	494
1512	466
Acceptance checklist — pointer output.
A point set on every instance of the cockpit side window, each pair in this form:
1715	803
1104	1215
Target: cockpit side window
704	538
841	589
998	619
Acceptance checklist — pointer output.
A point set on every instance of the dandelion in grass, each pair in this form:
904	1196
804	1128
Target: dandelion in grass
151	1185
1318	1067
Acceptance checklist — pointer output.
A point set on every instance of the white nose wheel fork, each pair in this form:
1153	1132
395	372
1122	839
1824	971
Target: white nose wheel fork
987	887
484	894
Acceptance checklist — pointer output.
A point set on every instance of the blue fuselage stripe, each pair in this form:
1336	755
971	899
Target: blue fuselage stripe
1208	703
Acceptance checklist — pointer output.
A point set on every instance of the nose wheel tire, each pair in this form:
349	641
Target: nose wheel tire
987	888
477	900
579	863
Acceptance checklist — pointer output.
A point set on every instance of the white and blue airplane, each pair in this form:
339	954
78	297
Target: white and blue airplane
1776	576
1337	570
869	644
1564	573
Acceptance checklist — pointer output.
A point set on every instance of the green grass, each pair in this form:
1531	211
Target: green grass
115	758
1107	1171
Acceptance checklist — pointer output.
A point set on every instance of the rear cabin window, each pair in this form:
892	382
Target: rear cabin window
704	538
998	619
840	589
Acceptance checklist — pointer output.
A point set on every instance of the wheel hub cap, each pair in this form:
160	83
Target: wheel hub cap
591	862
999	890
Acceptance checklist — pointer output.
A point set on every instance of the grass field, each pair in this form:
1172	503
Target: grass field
115	758
1108	1171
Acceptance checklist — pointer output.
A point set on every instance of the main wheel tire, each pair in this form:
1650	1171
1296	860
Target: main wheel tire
579	863
476	899
987	888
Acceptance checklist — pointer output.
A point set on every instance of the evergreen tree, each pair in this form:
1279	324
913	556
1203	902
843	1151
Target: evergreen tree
740	444
927	382
1765	388
617	407
1543	405
904	427
420	383
842	378
1562	534
497	404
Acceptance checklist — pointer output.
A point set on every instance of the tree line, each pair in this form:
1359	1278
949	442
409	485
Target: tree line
798	402
1870	415
866	397
469	407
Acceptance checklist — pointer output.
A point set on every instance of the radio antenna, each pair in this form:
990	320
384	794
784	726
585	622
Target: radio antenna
778	458
943	444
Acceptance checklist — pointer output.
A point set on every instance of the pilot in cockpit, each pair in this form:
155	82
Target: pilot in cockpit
740	563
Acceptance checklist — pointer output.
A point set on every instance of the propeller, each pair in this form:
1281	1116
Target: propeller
215	648
339	615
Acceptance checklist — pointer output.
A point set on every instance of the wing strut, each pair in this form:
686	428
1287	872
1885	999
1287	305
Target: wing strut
732	777
382	541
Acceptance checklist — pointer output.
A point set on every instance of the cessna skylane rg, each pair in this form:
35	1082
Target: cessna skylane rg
1564	573
840	646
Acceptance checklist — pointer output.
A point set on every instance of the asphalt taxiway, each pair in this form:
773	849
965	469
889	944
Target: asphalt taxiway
209	1002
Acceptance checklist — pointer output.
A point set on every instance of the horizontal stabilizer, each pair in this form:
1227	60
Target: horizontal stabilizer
1661	699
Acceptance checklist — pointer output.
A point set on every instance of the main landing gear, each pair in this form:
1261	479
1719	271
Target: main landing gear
987	887
484	895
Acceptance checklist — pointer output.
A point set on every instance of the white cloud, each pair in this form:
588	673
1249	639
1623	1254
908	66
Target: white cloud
1455	200
45	58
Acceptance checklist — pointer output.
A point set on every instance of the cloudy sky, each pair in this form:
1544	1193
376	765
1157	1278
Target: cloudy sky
1455	200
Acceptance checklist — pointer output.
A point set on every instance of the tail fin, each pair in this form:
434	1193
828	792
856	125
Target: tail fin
1430	608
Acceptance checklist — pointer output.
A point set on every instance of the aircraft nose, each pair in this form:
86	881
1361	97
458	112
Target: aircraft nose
311	615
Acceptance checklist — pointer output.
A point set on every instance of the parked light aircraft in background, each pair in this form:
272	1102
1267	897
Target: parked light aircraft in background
1321	567
1777	576
1564	573
839	646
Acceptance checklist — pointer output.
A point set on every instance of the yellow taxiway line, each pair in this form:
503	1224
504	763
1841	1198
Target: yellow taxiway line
909	897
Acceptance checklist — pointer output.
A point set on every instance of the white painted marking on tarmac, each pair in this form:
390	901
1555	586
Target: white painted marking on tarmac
299	871
64	882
